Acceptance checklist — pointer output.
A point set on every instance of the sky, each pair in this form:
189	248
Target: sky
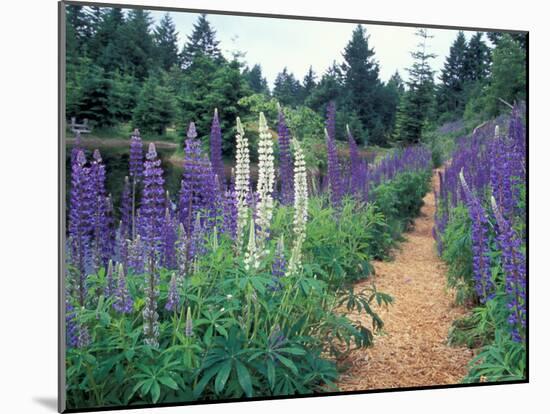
297	44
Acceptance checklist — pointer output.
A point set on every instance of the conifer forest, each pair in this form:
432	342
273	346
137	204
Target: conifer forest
230	236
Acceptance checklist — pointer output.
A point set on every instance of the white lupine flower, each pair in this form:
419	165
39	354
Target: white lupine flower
266	179
251	257
242	181
300	207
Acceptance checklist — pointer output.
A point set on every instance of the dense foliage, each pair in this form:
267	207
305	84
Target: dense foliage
221	291
481	233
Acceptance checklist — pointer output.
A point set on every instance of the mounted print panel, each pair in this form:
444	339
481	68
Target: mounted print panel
259	207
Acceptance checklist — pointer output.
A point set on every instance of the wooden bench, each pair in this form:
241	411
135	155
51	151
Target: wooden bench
83	128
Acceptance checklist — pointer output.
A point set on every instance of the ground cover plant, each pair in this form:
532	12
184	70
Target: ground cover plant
481	233
227	289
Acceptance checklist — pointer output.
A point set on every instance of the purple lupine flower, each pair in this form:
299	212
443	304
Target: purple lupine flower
173	296
123	302
80	220
136	157
516	133
102	217
109	280
198	183
169	237
136	174
335	180
514	266
286	169
136	255
196	247
151	211
278	267
501	181
126	209
216	147
71	326
188	324
480	245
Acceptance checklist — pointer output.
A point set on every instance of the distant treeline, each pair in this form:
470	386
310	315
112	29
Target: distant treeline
122	69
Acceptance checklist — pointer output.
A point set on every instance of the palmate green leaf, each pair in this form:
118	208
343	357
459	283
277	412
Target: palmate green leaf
270	373
169	382
244	379
207	376
223	375
155	391
288	363
293	351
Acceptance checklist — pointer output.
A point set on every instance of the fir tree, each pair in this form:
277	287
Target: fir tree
362	84
201	42
137	54
416	104
450	94
155	107
478	59
166	41
287	88
256	80
308	84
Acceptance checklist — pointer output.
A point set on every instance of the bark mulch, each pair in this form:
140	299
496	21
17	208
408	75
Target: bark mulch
412	350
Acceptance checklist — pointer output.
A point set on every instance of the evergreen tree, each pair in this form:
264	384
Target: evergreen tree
328	89
520	38
107	45
77	18
138	47
509	71
201	42
256	80
416	104
478	59
91	99
450	93
392	92
166	40
308	84
124	95
287	88
362	84
155	107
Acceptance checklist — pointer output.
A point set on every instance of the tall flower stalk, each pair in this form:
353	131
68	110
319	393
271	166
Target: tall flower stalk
151	211
266	179
242	182
136	173
123	301
480	245
80	220
285	161
514	266
300	207
216	148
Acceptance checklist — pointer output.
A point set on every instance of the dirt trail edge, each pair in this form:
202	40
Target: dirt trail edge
412	350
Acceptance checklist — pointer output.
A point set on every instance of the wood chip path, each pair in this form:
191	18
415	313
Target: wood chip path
412	350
